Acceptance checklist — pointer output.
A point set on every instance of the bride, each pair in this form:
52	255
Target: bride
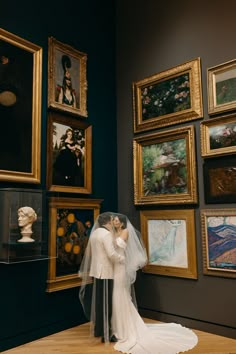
134	336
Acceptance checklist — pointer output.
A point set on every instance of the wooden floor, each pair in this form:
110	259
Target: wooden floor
76	340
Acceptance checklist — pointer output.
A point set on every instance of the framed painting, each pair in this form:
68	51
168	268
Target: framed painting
218	136
221	82
169	237
169	97
220	180
69	161
67	81
71	221
20	109
219	242
165	167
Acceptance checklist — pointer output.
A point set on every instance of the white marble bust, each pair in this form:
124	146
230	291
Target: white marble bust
26	217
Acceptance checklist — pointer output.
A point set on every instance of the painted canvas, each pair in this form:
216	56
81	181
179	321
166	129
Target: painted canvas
219	242
222	136
226	86
166	97
164	168
169	238
167	243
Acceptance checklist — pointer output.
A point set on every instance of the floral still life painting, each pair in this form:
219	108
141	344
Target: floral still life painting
166	97
169	97
219	242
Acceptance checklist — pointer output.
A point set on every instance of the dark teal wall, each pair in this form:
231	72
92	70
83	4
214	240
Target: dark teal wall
27	311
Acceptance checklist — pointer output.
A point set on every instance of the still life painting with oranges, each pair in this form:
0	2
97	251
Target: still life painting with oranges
73	230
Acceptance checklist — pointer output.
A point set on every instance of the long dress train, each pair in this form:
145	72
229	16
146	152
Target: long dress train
136	337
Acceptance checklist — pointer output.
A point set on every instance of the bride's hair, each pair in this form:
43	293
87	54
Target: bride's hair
123	220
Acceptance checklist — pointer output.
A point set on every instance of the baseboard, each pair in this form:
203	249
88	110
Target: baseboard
204	326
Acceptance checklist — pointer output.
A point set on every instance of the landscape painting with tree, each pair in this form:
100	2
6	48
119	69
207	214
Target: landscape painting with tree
164	167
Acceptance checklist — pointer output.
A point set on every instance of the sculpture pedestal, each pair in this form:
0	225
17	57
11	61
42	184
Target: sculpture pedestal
26	237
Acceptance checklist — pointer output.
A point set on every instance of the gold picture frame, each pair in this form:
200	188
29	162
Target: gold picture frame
165	167
218	242
67	78
169	237
69	164
20	106
71	220
218	136
221	87
170	97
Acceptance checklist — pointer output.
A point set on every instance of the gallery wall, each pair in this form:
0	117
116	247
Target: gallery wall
28	311
151	38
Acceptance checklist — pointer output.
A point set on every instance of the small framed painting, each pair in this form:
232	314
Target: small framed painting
67	82
169	97
220	180
219	242
71	221
169	237
218	136
222	87
69	154
165	167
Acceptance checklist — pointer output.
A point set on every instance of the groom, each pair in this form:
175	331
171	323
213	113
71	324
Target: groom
103	257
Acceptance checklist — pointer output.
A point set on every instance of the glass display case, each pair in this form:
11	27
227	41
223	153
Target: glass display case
23	237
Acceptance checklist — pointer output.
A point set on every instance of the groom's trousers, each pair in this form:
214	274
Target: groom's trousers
103	307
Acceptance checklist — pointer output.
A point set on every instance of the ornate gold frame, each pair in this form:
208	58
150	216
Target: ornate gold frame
54	282
215	269
186	133
205	128
195	111
223	71
80	59
34	175
163	215
74	123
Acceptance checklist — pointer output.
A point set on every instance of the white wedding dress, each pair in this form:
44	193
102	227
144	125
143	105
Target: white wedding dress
135	336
